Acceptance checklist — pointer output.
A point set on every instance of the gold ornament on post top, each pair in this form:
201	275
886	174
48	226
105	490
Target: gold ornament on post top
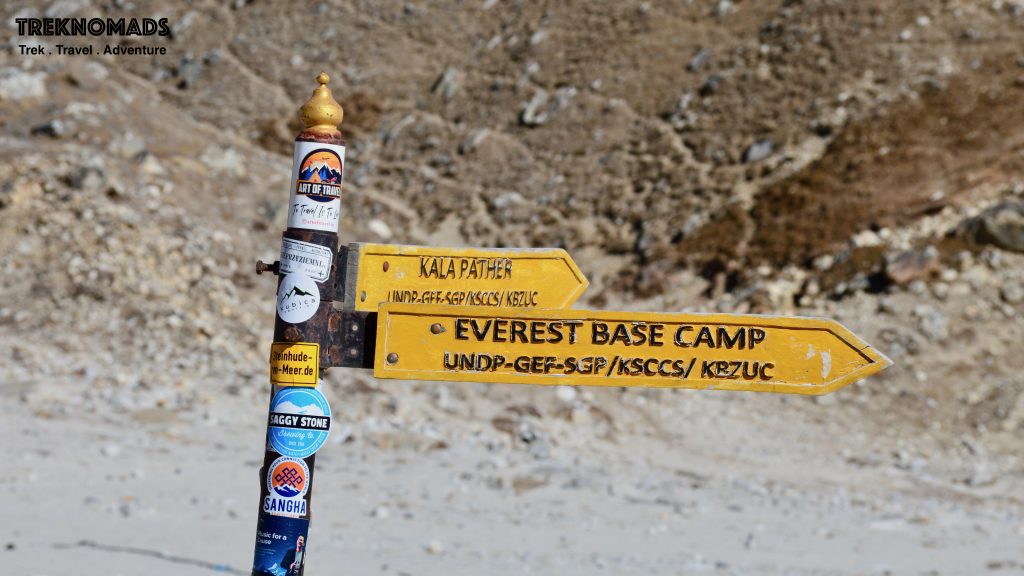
322	113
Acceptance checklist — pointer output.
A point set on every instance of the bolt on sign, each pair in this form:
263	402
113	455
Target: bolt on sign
599	348
499	278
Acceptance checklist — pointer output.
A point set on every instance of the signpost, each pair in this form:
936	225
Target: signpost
512	278
598	348
480	315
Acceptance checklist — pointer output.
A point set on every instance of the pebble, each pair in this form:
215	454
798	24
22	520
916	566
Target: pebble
702	57
54	129
542	107
566	394
508	199
758	151
866	239
224	159
532	114
1001	225
931	322
918	287
824	262
111	450
1012	292
88	75
16	84
128	146
151	166
434	547
912	265
978	277
980	475
711	85
448	84
380	228
960	289
474	140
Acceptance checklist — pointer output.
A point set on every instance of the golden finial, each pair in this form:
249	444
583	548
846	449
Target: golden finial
322	113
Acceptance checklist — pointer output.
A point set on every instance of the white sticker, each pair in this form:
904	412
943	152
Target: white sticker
305	258
298	297
317	172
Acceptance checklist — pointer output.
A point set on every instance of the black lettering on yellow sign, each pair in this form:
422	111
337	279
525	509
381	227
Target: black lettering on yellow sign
650	334
512	331
740	338
459	268
592	347
494	298
607	333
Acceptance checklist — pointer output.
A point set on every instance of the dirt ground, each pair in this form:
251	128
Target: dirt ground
837	159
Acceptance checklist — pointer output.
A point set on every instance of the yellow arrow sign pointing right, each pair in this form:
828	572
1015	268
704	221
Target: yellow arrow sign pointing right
492	277
598	348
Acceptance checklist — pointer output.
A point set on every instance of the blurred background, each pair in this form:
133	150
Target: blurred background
862	161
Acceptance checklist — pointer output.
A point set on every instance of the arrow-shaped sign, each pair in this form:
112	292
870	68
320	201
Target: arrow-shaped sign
598	348
497	278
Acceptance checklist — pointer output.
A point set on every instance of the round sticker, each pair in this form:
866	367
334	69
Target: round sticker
297	298
288	477
300	420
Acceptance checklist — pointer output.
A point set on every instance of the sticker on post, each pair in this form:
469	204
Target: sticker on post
316	199
300	420
305	258
298	298
287	483
280	546
294	363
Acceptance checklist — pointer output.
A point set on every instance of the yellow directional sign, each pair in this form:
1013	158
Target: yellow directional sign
498	278
598	348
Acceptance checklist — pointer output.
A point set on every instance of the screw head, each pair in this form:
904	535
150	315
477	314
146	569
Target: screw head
436	328
392	358
362	297
386	266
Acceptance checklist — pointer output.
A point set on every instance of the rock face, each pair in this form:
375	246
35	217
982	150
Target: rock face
1002	226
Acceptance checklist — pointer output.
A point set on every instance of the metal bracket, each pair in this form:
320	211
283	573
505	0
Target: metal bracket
351	338
341	274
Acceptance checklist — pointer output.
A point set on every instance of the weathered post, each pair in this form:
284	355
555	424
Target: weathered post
299	416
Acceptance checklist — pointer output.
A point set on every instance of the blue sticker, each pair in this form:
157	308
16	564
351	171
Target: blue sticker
280	546
300	420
